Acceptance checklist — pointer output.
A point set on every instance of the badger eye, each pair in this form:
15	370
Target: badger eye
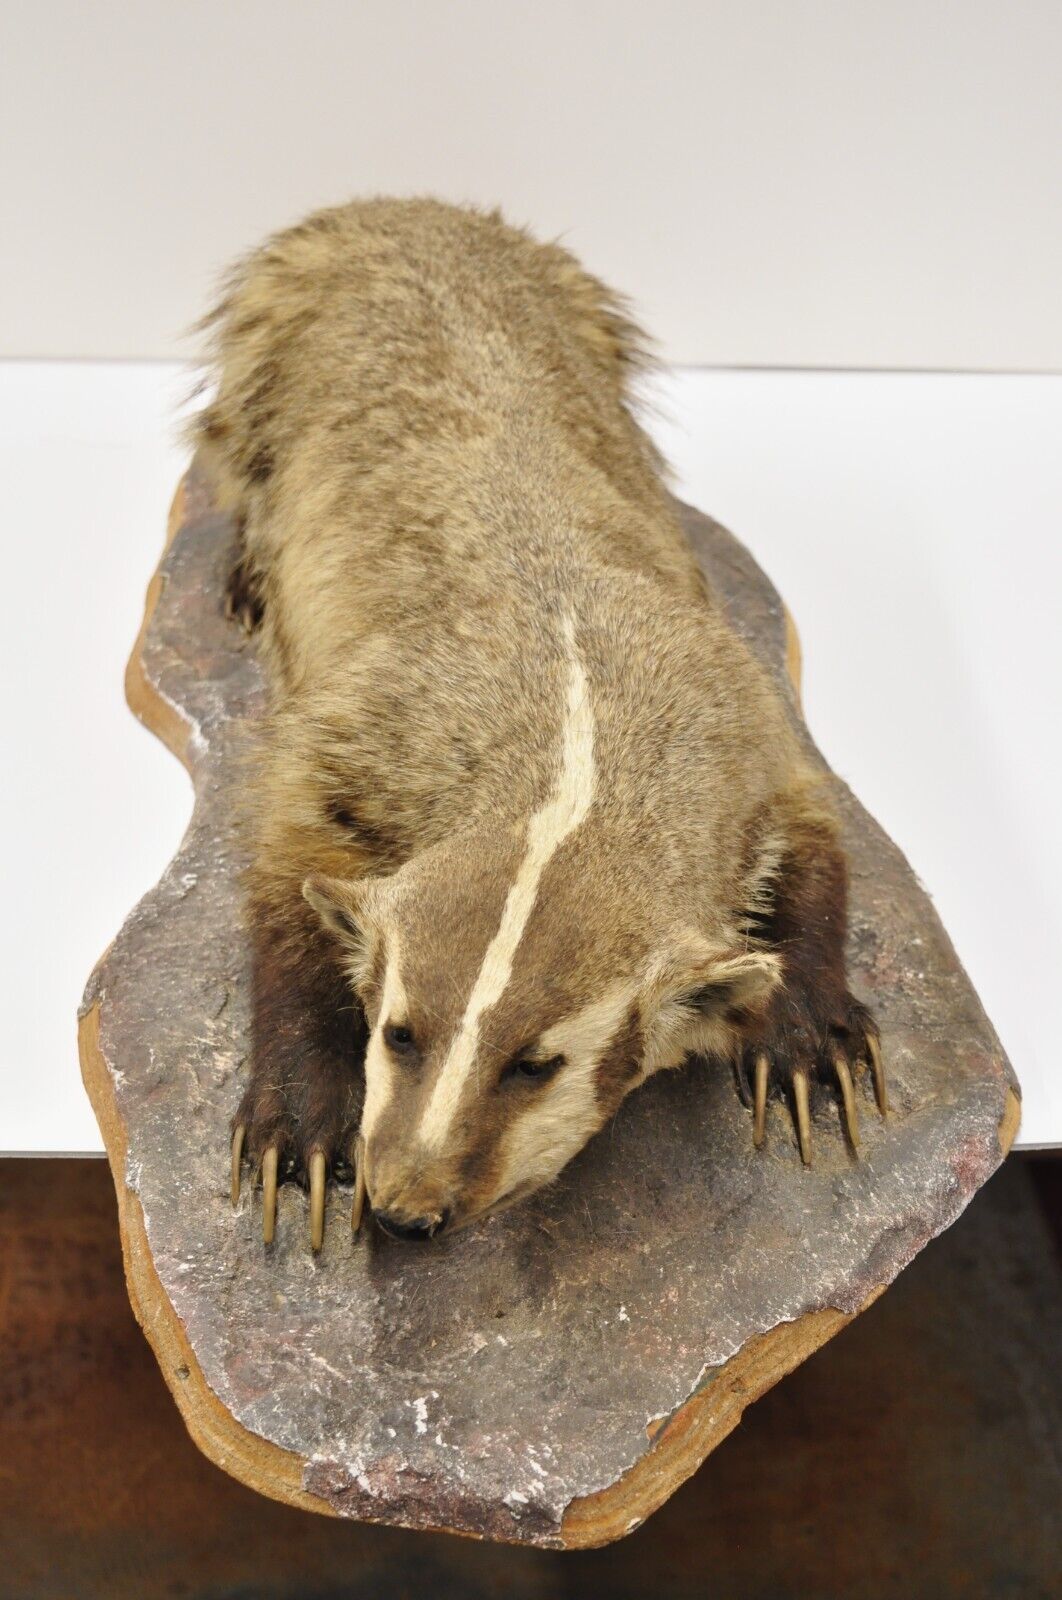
530	1068
399	1038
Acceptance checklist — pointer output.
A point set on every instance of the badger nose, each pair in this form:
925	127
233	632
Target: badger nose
419	1228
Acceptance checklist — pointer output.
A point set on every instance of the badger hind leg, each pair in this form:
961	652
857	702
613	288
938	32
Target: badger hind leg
244	597
814	1032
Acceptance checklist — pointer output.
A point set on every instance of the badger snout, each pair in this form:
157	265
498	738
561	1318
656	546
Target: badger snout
398	1226
408	1199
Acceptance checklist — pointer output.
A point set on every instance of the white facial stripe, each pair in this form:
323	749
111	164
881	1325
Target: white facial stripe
379	1068
546	831
589	1032
565	1112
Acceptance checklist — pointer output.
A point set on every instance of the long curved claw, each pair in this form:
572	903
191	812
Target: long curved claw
317	1200
877	1069
851	1119
269	1194
239	1134
802	1115
359	1188
759	1107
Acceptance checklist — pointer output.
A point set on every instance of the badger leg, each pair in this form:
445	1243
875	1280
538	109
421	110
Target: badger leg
244	600
299	1113
814	1031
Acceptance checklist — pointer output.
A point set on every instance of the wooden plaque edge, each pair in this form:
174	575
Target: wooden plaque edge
678	1445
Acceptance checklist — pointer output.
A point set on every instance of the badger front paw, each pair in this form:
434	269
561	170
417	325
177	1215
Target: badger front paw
302	1130
810	1037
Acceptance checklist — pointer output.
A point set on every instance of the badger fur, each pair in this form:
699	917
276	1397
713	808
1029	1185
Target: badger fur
528	823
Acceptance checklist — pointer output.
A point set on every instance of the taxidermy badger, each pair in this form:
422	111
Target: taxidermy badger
528	822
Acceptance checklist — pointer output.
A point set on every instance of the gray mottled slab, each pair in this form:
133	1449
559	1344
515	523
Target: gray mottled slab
550	1375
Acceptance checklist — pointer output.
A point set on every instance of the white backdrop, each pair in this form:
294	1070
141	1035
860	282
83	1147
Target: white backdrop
776	182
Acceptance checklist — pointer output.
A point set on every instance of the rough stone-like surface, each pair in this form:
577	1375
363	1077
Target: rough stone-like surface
492	1381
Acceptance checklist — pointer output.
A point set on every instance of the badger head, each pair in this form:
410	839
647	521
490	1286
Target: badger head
525	973
512	1003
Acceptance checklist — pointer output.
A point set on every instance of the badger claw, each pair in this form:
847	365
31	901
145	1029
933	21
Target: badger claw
317	1200
800	1114
269	1193
238	1135
878	1072
851	1119
759	1110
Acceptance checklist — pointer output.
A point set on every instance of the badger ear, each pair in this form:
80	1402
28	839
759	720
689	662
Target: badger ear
707	979
691	991
349	910
746	980
693	988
